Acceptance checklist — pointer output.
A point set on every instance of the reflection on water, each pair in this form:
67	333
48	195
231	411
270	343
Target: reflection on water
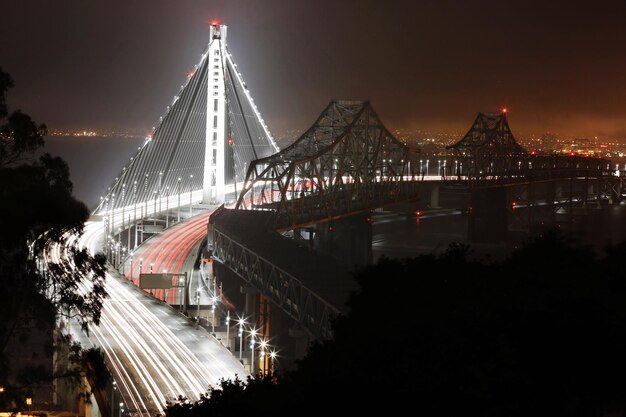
399	236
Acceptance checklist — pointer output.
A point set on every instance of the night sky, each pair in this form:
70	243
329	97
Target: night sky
431	65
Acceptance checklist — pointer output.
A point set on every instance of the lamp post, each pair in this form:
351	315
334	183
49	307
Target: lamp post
167	207
113	388
121	409
427	161
155	209
198	305
190	196
213	301
262	357
123	259
241	322
131	264
181	286
252	335
160	189
228	329
135	212
178	218
272	361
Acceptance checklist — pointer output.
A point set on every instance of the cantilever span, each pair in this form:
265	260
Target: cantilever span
488	146
346	161
489	154
202	145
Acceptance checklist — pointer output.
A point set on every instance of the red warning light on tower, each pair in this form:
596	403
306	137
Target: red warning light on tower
214	22
230	141
505	110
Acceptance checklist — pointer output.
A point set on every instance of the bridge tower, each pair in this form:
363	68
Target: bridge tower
202	146
214	178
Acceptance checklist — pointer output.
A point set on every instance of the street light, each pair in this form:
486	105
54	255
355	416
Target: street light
213	301
113	388
190	196
198	304
178	219
272	361
253	333
262	356
241	322
181	285
160	189
131	264
155	209
167	207
122	258
228	329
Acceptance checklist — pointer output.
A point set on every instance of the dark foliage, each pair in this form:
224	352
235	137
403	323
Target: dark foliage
232	398
542	333
37	209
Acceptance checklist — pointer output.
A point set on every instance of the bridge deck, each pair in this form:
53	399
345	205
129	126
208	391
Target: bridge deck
317	271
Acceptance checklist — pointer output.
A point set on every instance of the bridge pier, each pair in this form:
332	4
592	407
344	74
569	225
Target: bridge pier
348	239
251	301
434	197
487	222
300	340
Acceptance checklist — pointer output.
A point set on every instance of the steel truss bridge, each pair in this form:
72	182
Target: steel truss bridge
347	162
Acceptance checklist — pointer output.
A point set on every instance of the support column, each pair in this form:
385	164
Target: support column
301	340
434	197
488	220
214	179
251	302
349	239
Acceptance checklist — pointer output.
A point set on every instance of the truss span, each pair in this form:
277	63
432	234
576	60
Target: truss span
489	146
346	162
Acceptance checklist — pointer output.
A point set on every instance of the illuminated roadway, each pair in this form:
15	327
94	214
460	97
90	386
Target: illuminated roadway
154	353
171	251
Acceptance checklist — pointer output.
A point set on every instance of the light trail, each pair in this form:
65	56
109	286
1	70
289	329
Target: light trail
168	252
154	353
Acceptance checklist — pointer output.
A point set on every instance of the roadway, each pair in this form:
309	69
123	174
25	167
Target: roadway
173	251
154	353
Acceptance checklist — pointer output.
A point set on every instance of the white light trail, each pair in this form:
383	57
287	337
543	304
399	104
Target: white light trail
143	341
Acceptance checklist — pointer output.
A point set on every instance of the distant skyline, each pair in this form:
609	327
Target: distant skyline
429	65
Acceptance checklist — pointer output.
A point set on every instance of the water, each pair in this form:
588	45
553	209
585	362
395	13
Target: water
94	162
403	236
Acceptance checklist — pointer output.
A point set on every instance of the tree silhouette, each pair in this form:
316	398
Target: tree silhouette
36	210
541	333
